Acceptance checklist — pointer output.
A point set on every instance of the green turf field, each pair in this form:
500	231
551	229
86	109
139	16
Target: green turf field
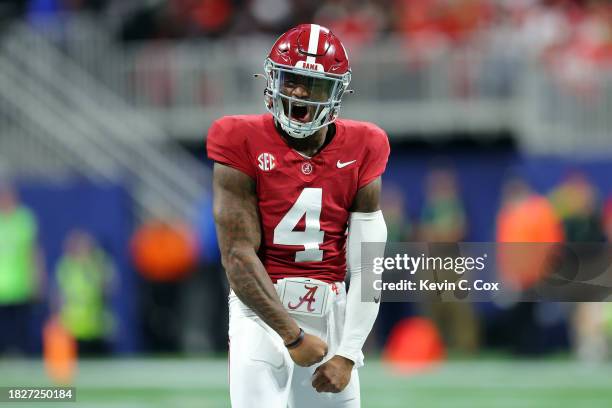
203	383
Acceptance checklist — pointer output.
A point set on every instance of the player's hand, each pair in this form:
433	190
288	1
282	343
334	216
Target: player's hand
310	351
333	376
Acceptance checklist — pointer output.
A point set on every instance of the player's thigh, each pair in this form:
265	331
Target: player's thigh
260	374
303	395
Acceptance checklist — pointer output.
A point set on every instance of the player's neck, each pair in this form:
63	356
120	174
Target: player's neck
309	146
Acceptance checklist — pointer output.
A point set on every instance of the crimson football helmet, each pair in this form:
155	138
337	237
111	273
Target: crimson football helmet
307	73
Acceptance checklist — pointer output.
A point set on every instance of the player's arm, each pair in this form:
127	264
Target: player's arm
238	229
366	224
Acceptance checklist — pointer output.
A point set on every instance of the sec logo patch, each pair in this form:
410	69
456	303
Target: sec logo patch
266	161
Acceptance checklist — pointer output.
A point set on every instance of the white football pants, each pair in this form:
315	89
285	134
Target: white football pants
262	374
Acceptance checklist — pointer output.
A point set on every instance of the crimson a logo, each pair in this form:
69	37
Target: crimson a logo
308	298
306	168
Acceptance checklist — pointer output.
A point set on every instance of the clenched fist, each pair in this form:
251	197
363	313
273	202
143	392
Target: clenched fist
310	351
333	376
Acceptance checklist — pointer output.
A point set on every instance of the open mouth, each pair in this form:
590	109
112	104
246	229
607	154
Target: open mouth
300	112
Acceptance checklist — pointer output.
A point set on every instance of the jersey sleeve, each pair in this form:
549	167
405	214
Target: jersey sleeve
227	144
375	156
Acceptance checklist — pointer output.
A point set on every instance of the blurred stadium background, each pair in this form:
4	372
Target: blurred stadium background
499	114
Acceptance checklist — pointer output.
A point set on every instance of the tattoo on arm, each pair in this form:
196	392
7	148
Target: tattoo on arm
368	197
239	233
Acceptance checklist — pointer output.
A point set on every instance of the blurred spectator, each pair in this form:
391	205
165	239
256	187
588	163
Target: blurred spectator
443	217
525	217
84	277
154	20
172	19
204	17
529	221
443	220
357	22
399	229
542	26
164	251
576	203
270	15
165	254
581	66
20	274
514	191
436	23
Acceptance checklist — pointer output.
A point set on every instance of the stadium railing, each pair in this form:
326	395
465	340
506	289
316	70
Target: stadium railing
495	83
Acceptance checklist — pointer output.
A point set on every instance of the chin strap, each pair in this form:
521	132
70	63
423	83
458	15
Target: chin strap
293	131
296	132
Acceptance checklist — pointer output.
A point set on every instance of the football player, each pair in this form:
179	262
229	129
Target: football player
296	192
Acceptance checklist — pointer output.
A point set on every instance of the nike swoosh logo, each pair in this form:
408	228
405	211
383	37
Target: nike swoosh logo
377	299
341	165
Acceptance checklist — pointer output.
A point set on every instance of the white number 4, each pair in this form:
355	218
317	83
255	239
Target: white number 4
309	203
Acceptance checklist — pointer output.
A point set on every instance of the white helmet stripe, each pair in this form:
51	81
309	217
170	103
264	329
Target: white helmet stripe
313	43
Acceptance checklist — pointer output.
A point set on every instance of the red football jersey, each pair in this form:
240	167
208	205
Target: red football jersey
303	202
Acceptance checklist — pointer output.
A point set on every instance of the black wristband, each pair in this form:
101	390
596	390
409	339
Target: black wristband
297	341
